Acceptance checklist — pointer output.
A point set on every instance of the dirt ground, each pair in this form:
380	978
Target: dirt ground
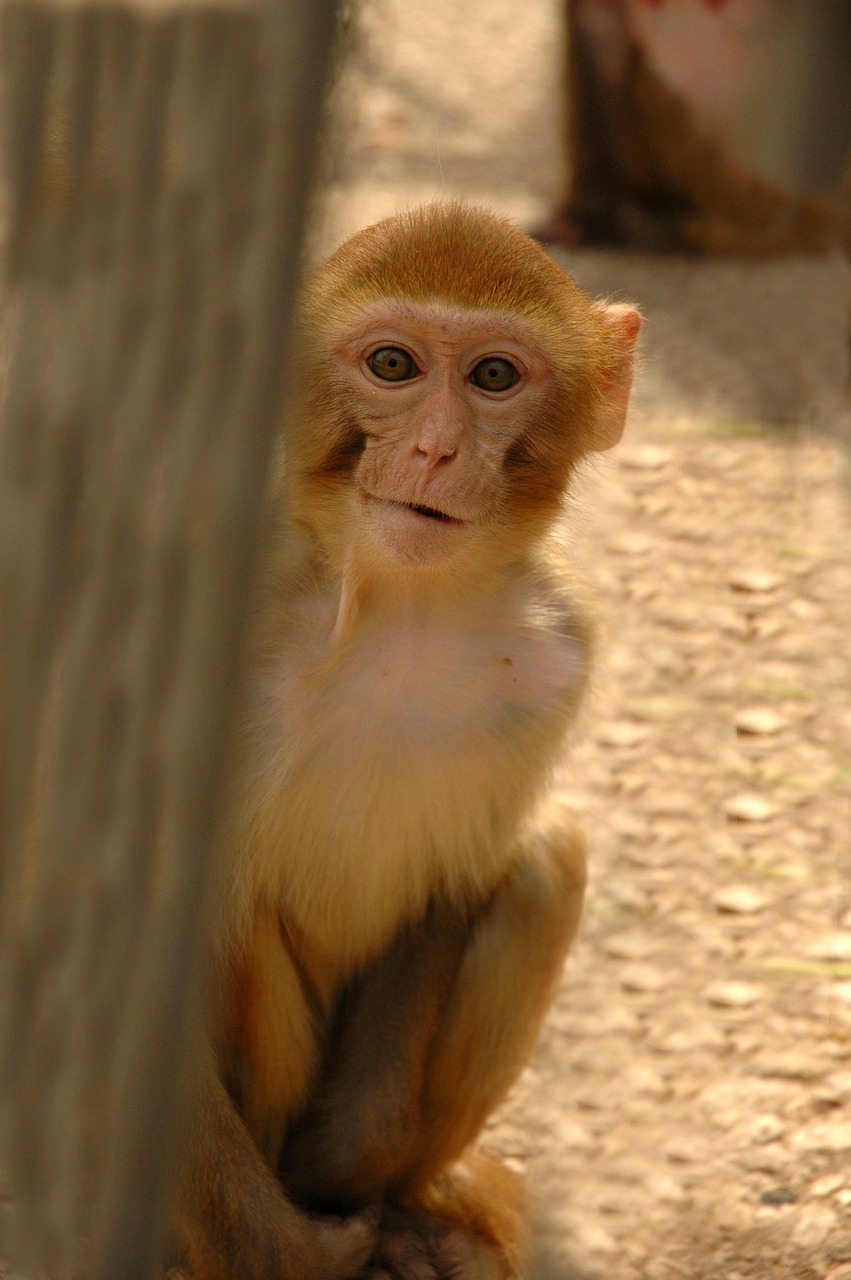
687	1113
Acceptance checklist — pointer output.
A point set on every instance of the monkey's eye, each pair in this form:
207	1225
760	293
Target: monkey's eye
494	374
392	364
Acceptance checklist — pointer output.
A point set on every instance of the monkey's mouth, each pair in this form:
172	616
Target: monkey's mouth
418	509
431	513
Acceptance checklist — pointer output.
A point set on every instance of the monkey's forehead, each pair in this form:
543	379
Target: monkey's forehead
437	317
462	255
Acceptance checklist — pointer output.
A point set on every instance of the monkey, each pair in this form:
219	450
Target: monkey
402	891
648	173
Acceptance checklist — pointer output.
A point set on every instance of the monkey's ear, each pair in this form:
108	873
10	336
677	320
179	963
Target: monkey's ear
625	323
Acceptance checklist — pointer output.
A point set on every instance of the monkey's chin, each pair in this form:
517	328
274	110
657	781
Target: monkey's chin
414	534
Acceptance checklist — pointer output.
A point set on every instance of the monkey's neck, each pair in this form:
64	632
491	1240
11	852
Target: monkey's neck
406	596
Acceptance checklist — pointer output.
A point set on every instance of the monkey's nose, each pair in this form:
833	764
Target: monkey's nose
435	454
437	442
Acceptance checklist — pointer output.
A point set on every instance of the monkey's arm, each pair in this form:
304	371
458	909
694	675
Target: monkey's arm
233	1220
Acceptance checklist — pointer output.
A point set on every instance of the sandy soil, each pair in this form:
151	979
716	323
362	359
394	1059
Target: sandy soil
687	1114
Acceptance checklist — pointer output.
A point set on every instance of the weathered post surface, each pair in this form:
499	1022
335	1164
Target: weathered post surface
157	161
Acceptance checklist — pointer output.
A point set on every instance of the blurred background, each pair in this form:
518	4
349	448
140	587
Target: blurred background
712	136
487	103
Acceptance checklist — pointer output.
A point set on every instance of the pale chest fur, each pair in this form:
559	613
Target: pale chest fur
406	759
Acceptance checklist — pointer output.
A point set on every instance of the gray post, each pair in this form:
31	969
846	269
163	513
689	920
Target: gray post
157	164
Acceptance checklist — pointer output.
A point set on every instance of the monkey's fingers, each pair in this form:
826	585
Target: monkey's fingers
347	1243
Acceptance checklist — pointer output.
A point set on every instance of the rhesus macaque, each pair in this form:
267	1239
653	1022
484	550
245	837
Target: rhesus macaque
402	894
646	170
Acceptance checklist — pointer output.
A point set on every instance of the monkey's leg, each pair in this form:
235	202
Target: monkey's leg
433	1036
232	1219
465	1219
362	1124
503	989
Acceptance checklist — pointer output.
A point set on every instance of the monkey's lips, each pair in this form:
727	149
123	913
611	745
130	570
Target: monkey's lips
418	509
431	513
411	531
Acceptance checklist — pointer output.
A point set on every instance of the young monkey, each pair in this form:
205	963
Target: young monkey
402	898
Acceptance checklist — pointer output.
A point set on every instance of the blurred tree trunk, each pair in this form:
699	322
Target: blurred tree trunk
157	164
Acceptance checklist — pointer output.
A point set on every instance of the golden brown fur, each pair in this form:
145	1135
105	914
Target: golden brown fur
402	894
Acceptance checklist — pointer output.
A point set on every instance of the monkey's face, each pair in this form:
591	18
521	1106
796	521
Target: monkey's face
454	377
435	402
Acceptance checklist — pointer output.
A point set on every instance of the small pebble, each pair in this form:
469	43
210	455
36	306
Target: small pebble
760	721
750	807
622	733
733	995
755	580
686	1150
826	1186
813	1226
823	1135
740	900
831	946
790	1065
630	946
646	457
766	1128
778	1195
643	978
670	802
630	544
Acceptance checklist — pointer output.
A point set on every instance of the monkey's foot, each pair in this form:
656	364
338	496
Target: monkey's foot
347	1243
416	1245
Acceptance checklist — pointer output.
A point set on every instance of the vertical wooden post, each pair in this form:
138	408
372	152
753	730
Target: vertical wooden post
157	161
